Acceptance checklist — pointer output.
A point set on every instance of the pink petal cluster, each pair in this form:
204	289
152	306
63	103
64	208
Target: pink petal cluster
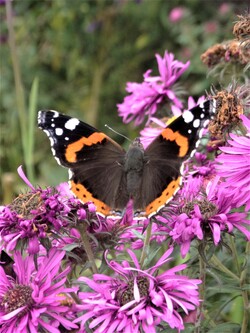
32	301
133	300
206	215
144	98
234	166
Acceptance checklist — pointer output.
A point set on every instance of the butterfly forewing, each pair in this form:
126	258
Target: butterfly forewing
95	161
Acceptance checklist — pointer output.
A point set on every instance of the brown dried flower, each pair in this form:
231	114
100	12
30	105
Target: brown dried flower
230	51
214	55
241	29
228	111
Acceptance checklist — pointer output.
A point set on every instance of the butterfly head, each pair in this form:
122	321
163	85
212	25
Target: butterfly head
137	144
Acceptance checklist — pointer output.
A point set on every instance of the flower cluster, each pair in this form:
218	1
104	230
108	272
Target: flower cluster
144	98
205	215
133	300
234	166
36	298
35	216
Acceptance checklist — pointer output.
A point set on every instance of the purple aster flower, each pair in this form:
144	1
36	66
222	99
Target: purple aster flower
176	14
136	300
36	299
36	216
149	133
205	215
234	166
144	98
200	166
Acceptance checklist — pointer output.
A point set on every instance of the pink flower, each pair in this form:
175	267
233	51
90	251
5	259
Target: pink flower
38	215
211	27
145	97
33	300
205	215
224	8
176	14
133	300
234	166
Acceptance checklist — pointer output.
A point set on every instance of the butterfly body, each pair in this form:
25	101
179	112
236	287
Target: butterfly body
102	172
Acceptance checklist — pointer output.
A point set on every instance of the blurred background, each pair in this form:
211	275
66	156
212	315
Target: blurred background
76	57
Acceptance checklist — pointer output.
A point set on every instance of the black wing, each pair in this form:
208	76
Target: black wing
95	161
165	155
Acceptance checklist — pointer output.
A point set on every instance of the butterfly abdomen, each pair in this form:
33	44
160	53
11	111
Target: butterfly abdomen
133	167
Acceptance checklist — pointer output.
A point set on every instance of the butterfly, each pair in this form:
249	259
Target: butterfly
102	172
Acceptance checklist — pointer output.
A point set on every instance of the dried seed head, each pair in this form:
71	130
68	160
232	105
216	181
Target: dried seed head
228	110
214	55
232	51
241	29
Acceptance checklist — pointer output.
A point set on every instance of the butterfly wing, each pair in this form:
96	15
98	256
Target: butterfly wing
164	158
95	161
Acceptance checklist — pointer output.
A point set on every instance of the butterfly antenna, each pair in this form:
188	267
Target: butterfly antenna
111	129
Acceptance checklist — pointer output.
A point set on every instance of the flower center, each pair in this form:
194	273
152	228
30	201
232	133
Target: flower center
127	295
25	203
207	208
17	297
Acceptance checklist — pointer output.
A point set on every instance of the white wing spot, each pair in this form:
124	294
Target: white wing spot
52	142
72	123
59	131
196	123
206	123
58	160
214	106
197	143
187	116
71	175
55	113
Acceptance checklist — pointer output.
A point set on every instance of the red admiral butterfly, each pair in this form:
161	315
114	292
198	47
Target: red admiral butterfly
102	172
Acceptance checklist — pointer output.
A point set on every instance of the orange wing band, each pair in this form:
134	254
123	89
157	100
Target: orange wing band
180	140
164	197
85	196
75	147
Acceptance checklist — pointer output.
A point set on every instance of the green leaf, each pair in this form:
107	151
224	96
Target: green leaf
226	328
30	137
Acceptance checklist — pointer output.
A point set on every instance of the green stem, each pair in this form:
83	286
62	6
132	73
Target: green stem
146	242
218	264
20	99
243	282
202	288
94	99
82	228
234	252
